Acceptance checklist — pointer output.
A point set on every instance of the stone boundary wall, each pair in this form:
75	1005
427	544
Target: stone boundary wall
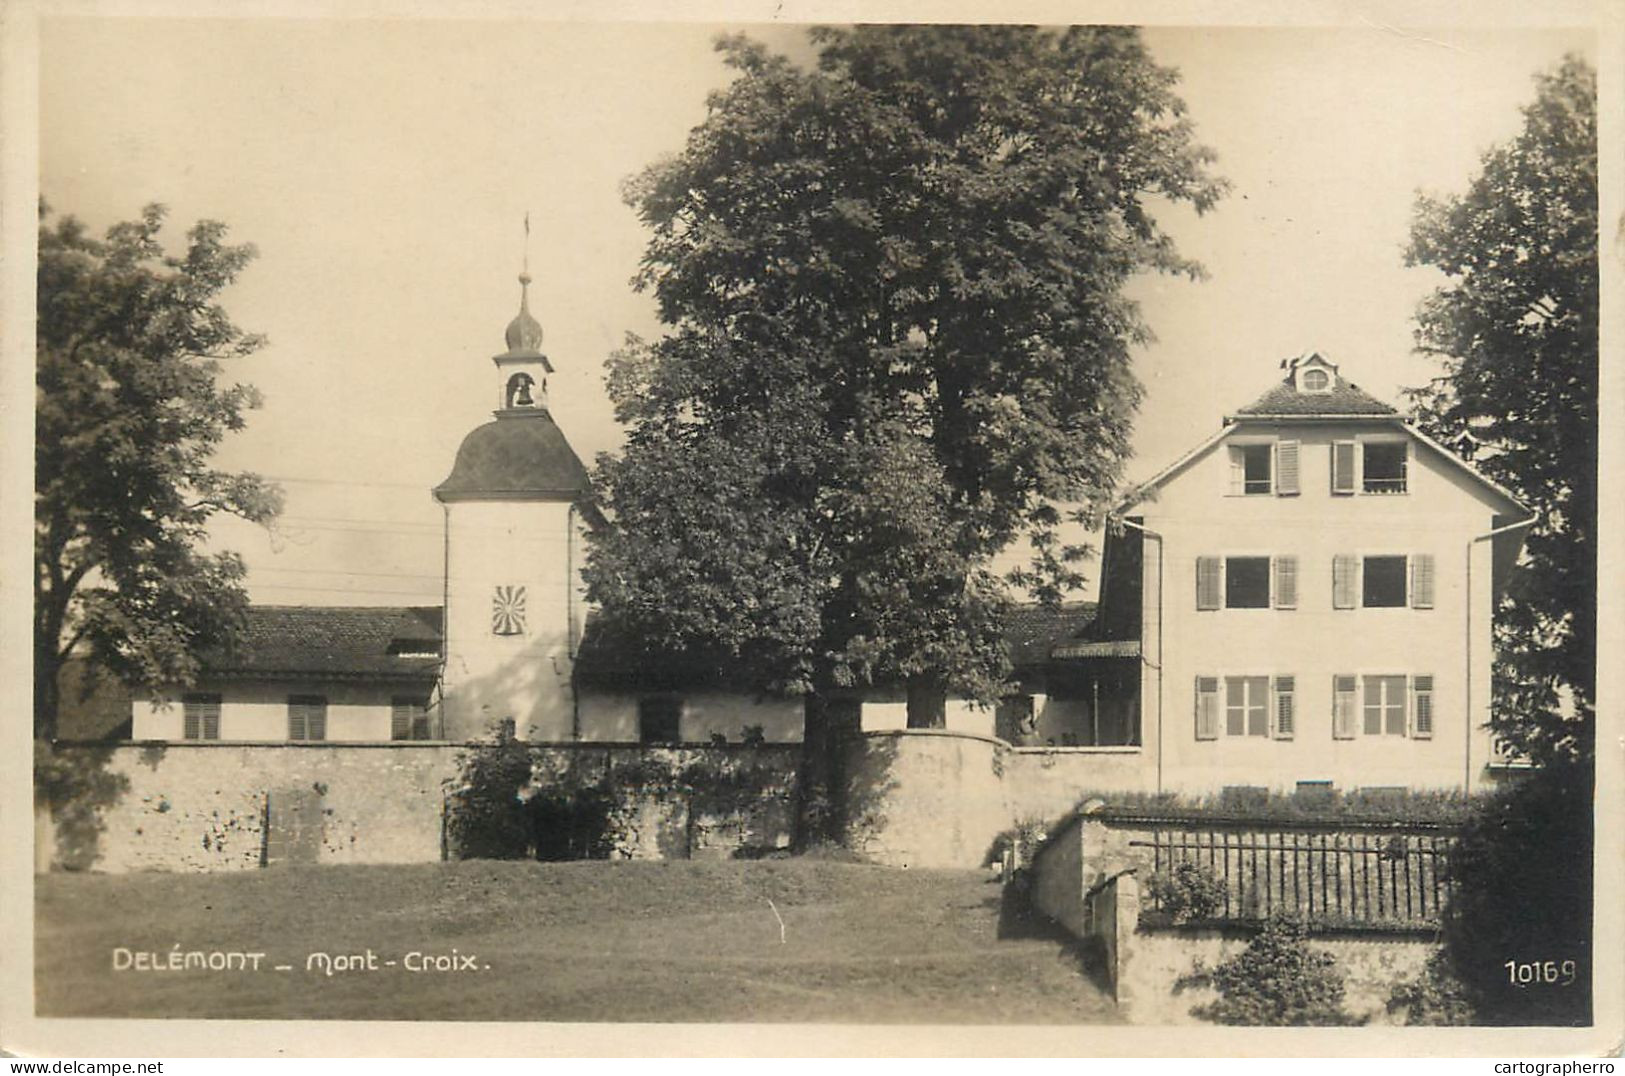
939	798
1086	878
203	806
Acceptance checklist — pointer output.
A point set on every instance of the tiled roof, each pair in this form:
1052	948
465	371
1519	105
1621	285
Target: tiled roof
1032	631
521	456
386	642
609	658
1110	648
1345	398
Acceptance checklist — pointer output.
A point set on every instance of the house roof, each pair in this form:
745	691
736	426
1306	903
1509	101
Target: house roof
1344	400
1032	631
1108	648
521	455
609	657
382	642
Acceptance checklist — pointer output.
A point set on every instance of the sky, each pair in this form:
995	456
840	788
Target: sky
383	168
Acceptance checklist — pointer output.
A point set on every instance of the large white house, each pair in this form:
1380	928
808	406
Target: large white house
1305	599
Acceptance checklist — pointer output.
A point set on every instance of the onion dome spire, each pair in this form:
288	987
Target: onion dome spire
524	333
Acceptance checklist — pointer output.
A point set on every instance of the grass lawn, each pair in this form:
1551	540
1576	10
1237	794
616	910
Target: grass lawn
588	941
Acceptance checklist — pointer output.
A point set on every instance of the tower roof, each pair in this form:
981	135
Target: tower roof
524	334
519	456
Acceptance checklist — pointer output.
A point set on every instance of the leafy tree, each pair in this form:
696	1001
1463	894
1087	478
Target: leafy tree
130	344
1516	331
898	342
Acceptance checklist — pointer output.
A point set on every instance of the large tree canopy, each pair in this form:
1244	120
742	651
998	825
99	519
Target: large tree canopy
129	412
898	342
1515	329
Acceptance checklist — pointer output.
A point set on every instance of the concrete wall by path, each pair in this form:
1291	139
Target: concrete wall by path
940	798
202	806
1153	964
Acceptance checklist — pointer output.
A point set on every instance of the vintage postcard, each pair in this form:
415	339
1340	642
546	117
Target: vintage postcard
816	531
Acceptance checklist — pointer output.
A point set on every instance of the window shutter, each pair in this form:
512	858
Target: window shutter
307	717
211	719
1422	581
1207	582
1343	566
1207	707
1286	717
1238	472
316	722
192	723
1286	582
1343	707
1342	466
400	720
1422	728
1286	468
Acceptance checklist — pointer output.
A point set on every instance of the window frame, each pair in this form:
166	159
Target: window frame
1385	705
646	704
1225	580
202	699
418	719
1363	480
1256	448
1273	567
1404	602
304	705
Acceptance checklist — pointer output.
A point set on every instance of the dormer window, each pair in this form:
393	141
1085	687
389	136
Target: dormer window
1316	381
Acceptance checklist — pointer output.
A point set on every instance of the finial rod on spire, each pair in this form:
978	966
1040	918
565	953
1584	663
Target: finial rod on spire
524	273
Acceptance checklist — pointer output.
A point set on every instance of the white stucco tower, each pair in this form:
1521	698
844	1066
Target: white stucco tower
514	540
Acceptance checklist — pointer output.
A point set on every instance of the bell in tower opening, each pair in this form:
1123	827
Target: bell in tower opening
518	394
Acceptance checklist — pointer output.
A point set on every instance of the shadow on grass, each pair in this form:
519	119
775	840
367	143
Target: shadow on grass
1019	920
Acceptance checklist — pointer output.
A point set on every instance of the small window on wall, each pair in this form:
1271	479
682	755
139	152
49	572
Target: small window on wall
1250	469
660	719
1384	706
201	717
1246	706
1383	466
1383	582
409	719
307	717
1246	582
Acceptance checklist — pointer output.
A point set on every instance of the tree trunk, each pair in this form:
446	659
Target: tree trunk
46	693
828	725
927	704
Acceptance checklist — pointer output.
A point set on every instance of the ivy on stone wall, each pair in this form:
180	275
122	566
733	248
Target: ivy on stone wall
515	800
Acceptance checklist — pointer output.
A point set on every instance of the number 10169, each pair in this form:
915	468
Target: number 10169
1540	972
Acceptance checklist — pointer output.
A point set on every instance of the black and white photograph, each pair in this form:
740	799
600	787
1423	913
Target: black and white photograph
1074	523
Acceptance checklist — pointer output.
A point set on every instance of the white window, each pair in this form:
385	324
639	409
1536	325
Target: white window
1316	381
1251	469
1246	705
1246	582
1383	466
201	717
1384	706
1383	581
1264	468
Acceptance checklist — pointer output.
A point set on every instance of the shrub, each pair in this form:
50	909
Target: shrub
1522	872
486	819
1278	980
1436	996
1188	891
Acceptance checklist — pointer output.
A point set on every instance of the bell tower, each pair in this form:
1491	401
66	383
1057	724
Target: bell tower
514	536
